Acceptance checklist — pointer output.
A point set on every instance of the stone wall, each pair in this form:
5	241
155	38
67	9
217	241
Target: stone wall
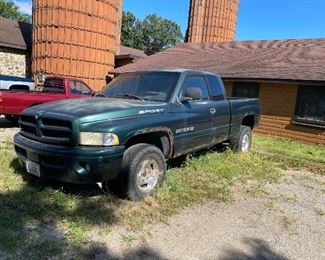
15	62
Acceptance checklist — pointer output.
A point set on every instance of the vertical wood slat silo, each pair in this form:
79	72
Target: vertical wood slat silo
212	20
75	38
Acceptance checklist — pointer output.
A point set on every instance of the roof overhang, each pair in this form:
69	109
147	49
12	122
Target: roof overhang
279	81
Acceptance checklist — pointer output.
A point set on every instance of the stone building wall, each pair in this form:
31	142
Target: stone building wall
14	62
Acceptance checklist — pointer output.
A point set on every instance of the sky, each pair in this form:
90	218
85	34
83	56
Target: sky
258	19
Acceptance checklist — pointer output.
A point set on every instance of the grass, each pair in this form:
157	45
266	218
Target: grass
286	222
292	154
128	238
320	212
50	219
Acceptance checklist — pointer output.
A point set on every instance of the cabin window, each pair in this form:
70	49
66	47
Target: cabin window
310	106
246	89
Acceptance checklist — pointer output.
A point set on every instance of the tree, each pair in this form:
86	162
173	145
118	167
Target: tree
142	34
9	10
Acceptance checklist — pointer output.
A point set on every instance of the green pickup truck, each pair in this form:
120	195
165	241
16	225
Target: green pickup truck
124	136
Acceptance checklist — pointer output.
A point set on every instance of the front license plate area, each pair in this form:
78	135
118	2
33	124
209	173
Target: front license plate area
33	168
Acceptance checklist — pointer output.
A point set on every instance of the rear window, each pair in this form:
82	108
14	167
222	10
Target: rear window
54	85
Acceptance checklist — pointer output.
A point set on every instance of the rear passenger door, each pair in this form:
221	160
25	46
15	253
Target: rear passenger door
193	128
221	109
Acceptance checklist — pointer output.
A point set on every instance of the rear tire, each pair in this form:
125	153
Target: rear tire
243	141
143	170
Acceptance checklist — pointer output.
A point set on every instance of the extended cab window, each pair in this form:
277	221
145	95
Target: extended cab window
78	87
310	106
215	88
246	89
197	82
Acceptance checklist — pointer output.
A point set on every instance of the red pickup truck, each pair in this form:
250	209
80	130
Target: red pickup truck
13	102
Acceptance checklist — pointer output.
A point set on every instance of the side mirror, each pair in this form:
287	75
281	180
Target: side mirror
193	93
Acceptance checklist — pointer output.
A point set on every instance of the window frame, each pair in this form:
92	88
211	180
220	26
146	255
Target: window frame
307	122
241	84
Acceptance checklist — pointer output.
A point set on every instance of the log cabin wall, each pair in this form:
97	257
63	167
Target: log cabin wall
278	104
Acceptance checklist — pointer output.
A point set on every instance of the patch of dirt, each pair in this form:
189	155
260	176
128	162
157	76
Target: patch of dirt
282	224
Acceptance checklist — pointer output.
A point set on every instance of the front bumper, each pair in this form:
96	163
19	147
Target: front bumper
77	164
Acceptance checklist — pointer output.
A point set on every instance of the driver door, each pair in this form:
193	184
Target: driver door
193	129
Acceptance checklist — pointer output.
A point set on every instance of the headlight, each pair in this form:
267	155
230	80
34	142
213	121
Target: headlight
100	139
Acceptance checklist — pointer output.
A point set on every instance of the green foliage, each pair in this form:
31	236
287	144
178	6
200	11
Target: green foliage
141	34
8	9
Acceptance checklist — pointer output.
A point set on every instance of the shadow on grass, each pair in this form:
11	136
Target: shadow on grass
258	250
43	219
101	252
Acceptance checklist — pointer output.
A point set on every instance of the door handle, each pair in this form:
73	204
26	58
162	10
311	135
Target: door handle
213	111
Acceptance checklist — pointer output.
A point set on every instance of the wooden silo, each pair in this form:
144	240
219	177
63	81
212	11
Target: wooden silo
75	38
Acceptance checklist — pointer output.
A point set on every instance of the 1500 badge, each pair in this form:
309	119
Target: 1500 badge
184	130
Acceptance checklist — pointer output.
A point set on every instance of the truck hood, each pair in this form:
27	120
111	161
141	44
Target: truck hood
96	109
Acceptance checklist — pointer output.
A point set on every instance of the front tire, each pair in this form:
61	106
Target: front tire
143	170
243	141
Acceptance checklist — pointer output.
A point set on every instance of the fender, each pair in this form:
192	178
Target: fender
167	141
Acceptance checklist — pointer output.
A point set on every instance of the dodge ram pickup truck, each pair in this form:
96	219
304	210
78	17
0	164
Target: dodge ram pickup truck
124	137
13	102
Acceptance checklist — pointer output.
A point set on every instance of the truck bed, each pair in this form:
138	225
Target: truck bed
241	107
13	102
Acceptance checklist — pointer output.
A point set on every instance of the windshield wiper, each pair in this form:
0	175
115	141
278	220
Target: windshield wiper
129	96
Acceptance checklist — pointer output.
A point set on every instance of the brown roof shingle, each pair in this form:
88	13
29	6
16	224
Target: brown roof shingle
127	51
14	34
279	59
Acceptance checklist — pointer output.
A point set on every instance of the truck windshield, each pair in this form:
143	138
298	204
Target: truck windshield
155	86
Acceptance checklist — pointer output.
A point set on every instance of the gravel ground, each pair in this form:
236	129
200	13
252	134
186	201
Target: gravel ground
287	222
